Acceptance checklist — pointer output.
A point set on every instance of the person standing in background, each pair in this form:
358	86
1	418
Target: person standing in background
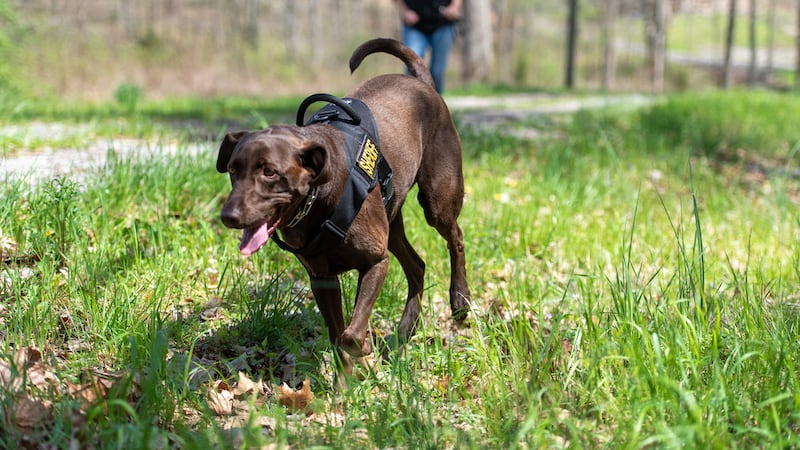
431	23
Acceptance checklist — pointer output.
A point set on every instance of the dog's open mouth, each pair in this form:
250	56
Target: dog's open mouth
255	238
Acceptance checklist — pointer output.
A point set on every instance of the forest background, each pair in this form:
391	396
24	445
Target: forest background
92	49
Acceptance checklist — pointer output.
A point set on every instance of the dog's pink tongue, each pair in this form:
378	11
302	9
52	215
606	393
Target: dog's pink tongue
255	238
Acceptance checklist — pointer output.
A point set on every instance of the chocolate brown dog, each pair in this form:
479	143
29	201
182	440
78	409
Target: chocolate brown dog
289	179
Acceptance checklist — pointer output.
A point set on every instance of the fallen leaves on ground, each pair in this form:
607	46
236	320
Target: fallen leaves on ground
16	265
231	403
295	400
29	412
25	368
223	398
30	388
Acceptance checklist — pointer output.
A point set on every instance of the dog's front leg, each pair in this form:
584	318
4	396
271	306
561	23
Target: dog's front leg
353	339
328	295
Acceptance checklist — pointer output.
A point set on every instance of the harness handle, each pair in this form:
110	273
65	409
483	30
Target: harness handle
313	98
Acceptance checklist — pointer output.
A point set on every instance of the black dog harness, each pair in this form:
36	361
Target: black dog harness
368	168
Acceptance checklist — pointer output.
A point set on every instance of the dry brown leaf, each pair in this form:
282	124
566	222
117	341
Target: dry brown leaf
87	394
30	413
27	357
83	393
40	377
221	402
245	386
6	376
295	400
220	399
442	383
27	360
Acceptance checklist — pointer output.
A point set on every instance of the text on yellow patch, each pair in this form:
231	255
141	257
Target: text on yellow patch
368	158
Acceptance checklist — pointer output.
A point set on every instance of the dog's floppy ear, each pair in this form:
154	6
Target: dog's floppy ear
315	159
226	150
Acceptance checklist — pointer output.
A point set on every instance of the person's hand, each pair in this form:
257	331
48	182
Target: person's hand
410	17
451	12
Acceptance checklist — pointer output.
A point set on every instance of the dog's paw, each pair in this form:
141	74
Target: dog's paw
459	306
355	344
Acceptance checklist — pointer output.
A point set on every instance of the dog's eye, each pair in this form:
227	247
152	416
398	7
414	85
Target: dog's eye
269	172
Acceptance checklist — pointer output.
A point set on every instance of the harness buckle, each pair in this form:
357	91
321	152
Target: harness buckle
387	188
333	229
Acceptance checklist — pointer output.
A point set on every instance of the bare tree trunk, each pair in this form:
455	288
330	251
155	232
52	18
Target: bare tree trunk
316	28
797	57
292	33
251	25
477	47
125	19
506	40
609	20
151	34
727	76
572	39
751	70
771	38
221	30
656	43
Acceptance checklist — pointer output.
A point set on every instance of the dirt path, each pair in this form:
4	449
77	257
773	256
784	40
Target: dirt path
497	112
35	166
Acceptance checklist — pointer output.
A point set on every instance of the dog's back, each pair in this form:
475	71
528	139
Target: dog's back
406	105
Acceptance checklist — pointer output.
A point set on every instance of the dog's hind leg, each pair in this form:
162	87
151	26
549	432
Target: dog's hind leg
459	289
414	270
441	198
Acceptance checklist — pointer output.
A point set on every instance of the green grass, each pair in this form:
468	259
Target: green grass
183	118
635	279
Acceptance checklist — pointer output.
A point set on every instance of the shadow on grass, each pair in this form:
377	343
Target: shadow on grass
274	333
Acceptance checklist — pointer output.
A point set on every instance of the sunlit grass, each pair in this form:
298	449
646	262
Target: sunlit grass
634	277
34	125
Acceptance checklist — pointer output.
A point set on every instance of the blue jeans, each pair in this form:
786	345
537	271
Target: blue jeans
439	42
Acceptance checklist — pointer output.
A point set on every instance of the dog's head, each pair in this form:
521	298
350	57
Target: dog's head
272	171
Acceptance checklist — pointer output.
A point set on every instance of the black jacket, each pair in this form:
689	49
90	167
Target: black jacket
429	16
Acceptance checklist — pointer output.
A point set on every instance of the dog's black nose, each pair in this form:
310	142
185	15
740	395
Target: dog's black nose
231	217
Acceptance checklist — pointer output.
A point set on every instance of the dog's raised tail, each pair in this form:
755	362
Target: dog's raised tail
416	66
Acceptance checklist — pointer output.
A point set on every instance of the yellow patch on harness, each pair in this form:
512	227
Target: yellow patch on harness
368	158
